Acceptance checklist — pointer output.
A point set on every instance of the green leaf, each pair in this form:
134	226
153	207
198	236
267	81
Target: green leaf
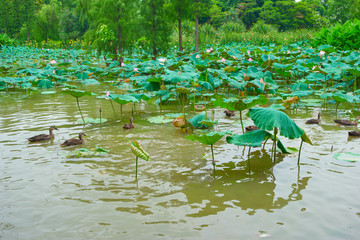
78	93
45	83
252	139
268	119
349	157
209	138
196	121
138	151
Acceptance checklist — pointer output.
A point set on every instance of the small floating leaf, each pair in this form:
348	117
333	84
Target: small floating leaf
349	157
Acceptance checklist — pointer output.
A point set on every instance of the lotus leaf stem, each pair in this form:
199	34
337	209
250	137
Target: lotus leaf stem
136	166
241	121
113	108
300	151
77	101
212	153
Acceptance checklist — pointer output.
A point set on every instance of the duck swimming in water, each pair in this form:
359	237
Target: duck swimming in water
251	128
129	125
74	141
229	113
354	133
314	121
347	122
43	137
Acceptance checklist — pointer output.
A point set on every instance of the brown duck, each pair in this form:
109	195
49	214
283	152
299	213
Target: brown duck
74	141
229	113
251	128
313	120
43	137
129	125
354	133
347	122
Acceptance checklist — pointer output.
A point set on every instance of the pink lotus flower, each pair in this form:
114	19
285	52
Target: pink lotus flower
53	62
208	50
288	52
223	60
261	80
136	69
122	64
197	56
162	61
248	52
54	72
250	60
322	53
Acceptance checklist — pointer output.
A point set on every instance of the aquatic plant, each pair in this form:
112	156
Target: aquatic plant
139	152
78	94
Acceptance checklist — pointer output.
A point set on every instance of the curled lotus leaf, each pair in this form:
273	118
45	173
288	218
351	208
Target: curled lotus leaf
208	138
138	151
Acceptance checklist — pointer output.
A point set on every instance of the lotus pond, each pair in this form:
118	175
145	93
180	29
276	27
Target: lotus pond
91	191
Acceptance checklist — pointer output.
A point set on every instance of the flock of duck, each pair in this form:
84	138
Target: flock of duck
229	113
343	122
73	141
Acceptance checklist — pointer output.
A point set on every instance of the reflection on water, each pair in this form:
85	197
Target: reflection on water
236	186
176	196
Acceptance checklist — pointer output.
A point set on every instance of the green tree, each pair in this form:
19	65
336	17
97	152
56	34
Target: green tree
27	12
46	21
5	18
156	26
342	10
115	17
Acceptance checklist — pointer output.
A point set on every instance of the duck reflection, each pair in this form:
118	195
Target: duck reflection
249	185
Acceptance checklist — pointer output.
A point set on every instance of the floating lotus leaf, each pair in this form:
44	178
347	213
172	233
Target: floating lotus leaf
349	157
268	119
138	151
92	120
123	99
160	119
340	97
208	138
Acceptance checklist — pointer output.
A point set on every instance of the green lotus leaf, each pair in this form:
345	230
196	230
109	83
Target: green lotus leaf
77	93
306	139
196	121
123	99
208	138
160	119
348	156
138	151
92	120
277	107
268	119
45	83
252	139
340	97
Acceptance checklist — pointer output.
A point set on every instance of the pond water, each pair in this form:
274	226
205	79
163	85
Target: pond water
47	195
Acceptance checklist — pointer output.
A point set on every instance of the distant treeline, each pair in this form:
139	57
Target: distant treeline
115	25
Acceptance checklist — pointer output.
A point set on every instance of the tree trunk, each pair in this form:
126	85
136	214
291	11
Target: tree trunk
180	33
120	46
28	32
196	28
154	28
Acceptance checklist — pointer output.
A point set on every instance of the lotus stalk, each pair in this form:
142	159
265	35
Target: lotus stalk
300	151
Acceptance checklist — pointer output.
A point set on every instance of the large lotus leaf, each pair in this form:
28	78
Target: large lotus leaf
208	138
268	119
231	104
196	121
340	97
90	82
45	83
123	99
260	99
78	93
140	96
301	93
252	139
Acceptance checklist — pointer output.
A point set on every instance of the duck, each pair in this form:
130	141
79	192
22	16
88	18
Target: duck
43	137
129	125
251	128
313	120
229	113
74	141
346	122
354	133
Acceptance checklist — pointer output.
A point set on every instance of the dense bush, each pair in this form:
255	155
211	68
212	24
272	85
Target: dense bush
261	27
6	40
345	37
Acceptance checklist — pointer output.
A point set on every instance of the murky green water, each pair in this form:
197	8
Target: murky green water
45	195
